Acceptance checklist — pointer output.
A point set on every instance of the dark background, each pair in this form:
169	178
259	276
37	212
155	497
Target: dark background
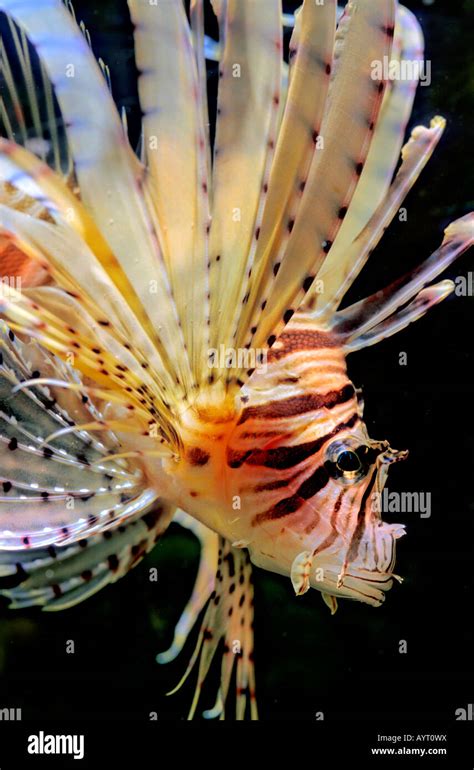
347	666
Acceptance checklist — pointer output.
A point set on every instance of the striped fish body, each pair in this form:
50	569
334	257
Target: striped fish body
291	473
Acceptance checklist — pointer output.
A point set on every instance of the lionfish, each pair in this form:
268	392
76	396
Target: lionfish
177	348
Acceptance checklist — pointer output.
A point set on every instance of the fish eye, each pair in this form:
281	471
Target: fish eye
346	461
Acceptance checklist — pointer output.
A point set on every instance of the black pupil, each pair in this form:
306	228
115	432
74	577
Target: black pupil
348	461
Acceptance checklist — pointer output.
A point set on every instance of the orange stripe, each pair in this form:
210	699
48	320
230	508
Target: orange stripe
15	264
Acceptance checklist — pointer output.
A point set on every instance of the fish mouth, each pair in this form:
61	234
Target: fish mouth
370	575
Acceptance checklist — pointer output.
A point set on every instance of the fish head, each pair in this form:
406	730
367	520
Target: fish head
339	544
359	562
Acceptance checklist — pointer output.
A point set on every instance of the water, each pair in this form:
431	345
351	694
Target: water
347	666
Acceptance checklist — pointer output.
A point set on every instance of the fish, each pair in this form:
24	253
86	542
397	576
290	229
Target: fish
180	354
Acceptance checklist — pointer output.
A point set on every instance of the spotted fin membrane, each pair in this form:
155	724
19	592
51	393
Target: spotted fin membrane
59	577
55	491
65	543
70	524
226	627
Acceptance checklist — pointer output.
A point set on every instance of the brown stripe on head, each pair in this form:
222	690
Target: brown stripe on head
359	530
294	340
308	489
282	508
286	456
296	405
